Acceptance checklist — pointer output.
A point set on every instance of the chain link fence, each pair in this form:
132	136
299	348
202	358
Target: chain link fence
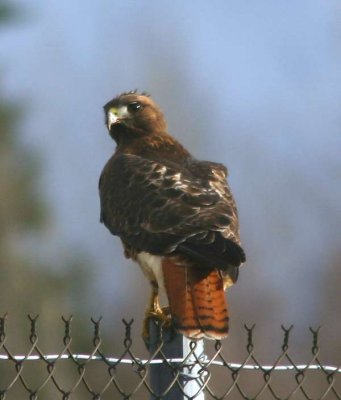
126	375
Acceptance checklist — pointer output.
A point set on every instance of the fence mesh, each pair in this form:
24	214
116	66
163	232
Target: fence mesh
126	375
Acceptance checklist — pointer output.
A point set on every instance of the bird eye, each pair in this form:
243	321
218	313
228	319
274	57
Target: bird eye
134	106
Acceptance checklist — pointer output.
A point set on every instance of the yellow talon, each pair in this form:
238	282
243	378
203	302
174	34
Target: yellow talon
154	311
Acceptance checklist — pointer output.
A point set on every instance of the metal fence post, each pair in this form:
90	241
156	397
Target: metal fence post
192	384
162	376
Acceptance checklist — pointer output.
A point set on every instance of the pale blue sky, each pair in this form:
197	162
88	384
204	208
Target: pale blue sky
255	85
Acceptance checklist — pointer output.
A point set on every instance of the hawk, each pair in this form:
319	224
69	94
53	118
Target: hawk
175	216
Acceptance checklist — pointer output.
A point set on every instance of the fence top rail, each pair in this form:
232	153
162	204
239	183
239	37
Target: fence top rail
205	361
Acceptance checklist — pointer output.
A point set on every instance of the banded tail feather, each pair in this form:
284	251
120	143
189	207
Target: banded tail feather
196	299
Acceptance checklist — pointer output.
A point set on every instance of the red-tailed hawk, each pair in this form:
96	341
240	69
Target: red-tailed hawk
175	216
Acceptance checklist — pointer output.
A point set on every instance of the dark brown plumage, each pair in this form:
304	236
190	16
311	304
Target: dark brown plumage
174	214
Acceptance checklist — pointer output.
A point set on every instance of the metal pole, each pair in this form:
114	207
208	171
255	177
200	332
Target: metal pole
165	380
194	372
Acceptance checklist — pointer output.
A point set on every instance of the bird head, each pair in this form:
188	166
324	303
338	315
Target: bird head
133	113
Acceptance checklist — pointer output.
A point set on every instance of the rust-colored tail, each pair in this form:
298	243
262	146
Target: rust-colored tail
197	300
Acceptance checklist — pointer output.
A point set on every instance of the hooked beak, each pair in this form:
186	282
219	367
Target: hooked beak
116	115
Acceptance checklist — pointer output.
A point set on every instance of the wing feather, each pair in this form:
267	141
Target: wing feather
162	208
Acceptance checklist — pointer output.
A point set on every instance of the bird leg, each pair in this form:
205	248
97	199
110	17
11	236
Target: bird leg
156	312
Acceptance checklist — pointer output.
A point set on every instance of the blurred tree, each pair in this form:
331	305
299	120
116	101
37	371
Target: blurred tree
29	285
7	12
26	284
